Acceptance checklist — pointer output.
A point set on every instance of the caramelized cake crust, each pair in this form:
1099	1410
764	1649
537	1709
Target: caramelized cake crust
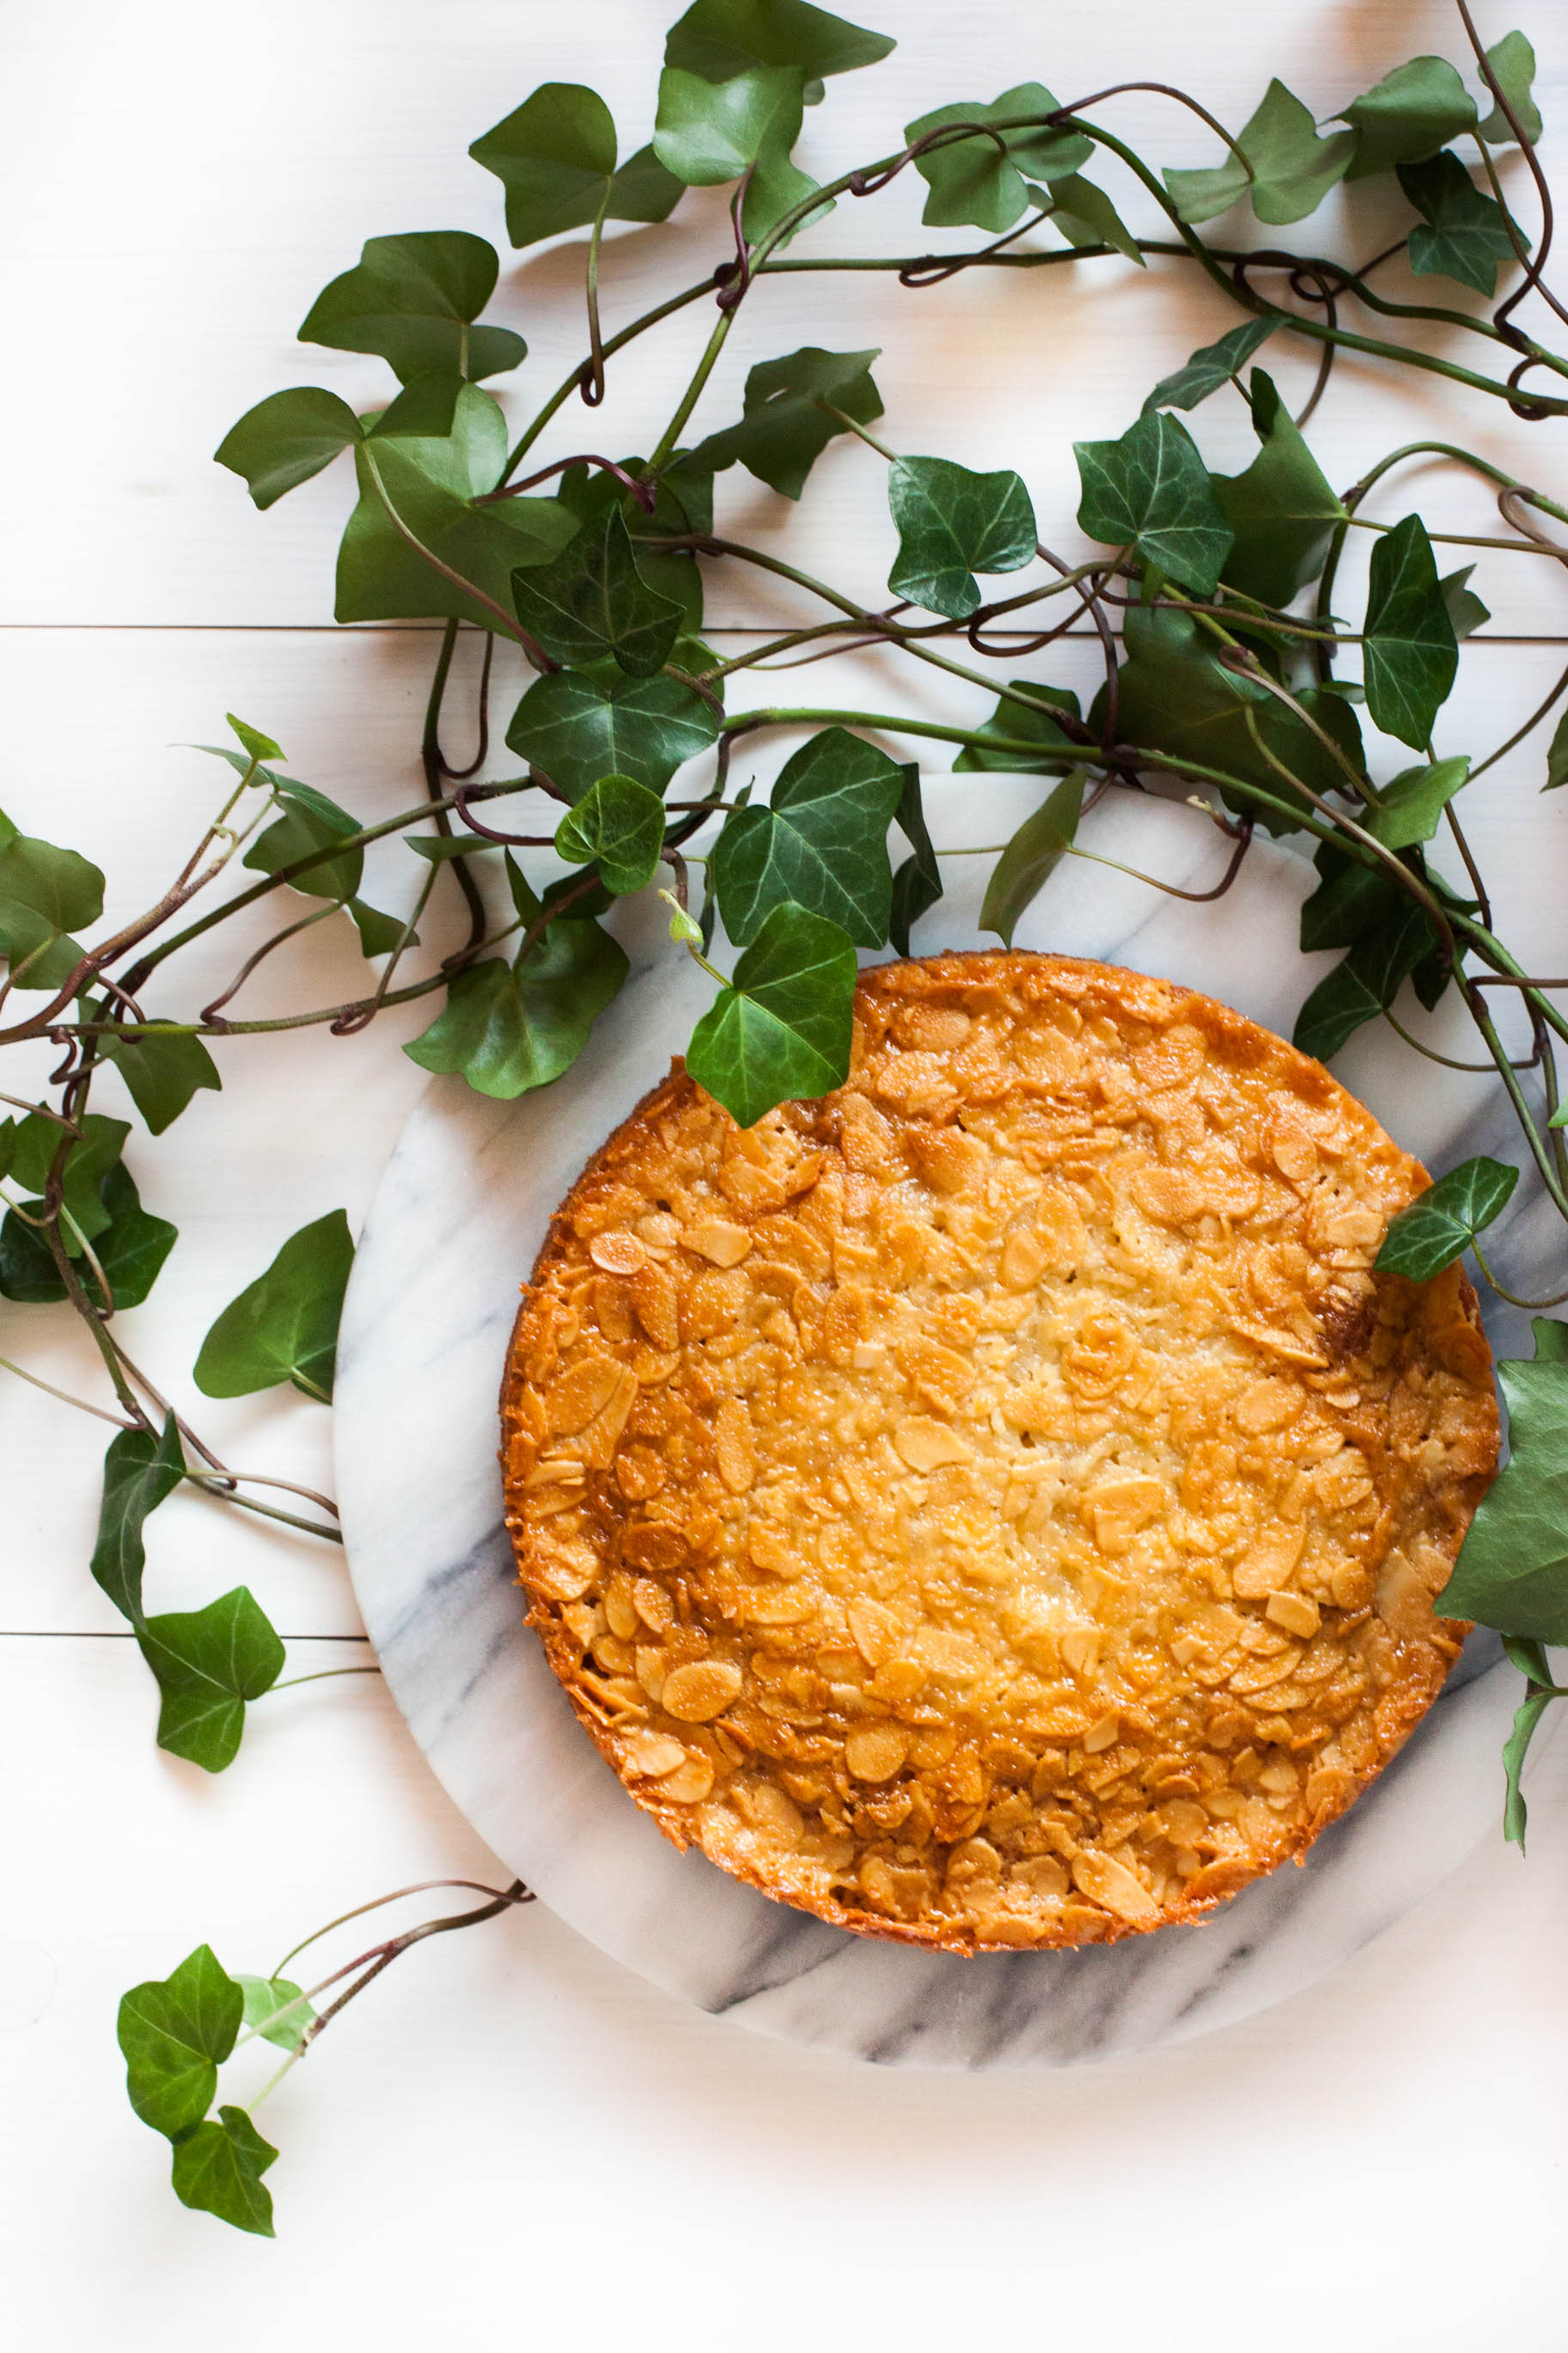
997	1505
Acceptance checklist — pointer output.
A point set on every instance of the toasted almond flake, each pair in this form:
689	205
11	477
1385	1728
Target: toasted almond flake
1111	1884
1102	1735
1295	1613
926	1445
876	1631
717	1239
1081	1648
652	1753
618	1253
701	1689
782	1605
690	1782
582	1390
874	1752
733	1445
1266	1565
1281	1344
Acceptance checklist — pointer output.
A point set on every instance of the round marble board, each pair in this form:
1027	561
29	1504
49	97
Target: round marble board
453	1231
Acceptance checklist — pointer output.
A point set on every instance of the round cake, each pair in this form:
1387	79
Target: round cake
998	1504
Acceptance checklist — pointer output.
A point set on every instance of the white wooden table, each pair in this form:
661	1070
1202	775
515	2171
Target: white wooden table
511	2133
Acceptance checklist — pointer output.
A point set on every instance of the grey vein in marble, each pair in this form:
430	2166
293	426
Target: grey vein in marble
454	1229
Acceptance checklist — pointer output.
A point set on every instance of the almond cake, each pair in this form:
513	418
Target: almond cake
997	1504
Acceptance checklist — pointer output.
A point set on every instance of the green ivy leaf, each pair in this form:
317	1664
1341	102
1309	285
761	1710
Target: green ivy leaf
45	895
424	410
163	1070
130	1247
285	439
1527	1717
1365	985
1031	858
555	157
952	523
577	725
1439	1227
139	1471
722	38
1513	1569
219	2169
435	484
1086	215
783	429
264	1998
784	1025
509	1028
590	600
284	1325
1410	654
981	181
33	1143
1411	113
1019	722
1464	234
709	134
1151	491
208	1664
618	826
414	300
310	822
1512	61
1414	803
1464	607
821	843
255	745
917	885
1292	168
1282	510
1214	364
174	2033
1174	698
1557	756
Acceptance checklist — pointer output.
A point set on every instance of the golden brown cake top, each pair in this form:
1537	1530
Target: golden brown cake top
997	1504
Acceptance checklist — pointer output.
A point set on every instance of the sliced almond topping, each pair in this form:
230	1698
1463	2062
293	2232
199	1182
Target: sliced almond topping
874	1752
1266	1565
1081	1648
782	1605
689	1783
701	1689
1109	1883
1295	1613
618	1253
717	1239
925	1444
1102	1735
733	1445
652	1753
877	1630
584	1388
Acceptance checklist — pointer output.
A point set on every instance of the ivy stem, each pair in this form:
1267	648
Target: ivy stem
65	1396
1532	1305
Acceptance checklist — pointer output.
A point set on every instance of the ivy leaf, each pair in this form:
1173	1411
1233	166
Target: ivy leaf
555	157
174	2033
618	826
1151	491
510	1029
284	1325
1086	215
982	180
1527	1717
264	1997
1464	607
1031	858
1020	723
1512	61
1174	698
436	485
821	843
219	2169
1414	803
1292	168
590	600
783	429
580	724
45	895
917	885
1411	653
139	1471
1557	756
33	1143
784	1025
1365	985
285	439
1214	364
707	133
208	1664
130	1247
1464	234
309	822
1439	1227
414	300
722	38
423	410
1411	113
1513	1569
163	1070
1282	510
256	745
952	523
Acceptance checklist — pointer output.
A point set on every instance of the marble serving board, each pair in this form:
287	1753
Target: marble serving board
453	1231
